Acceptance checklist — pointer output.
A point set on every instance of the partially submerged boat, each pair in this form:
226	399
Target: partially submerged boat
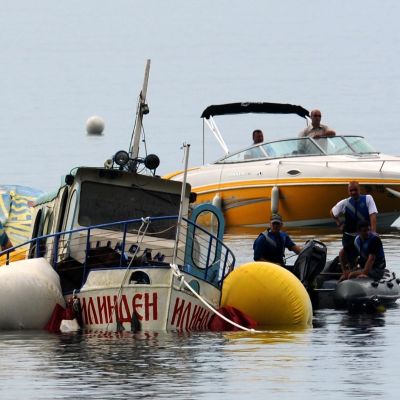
123	249
321	279
302	178
122	243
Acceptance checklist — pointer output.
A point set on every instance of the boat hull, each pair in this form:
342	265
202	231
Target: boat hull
300	204
357	294
163	304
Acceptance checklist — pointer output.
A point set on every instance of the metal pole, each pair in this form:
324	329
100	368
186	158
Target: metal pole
186	148
134	151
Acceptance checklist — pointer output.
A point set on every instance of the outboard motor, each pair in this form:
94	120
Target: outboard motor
310	262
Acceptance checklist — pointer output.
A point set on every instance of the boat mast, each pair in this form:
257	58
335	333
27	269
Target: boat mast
142	110
186	148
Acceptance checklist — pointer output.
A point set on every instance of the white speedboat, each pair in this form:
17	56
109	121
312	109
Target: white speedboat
301	178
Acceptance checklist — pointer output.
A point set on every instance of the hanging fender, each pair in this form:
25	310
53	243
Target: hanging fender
274	199
217	201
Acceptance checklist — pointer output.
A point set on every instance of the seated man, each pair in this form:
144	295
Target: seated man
371	255
258	136
5	242
270	244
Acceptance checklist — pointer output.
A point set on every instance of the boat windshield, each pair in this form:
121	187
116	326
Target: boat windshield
344	145
278	149
101	204
337	145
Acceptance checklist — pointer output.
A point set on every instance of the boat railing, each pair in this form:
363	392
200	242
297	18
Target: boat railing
329	163
130	244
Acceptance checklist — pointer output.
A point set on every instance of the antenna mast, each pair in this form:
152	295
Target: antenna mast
143	109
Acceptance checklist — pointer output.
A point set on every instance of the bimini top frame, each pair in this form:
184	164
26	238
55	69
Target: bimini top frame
246	108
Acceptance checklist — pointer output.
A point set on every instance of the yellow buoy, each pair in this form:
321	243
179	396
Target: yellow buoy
268	293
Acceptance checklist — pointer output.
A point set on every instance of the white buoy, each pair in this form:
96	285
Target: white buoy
95	125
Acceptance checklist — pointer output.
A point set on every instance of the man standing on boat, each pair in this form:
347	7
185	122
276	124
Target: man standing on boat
316	129
356	209
270	244
5	242
371	255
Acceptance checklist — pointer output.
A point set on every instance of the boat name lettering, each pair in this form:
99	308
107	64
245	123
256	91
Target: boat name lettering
189	317
104	309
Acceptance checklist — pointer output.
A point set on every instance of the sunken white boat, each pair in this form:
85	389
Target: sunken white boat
123	246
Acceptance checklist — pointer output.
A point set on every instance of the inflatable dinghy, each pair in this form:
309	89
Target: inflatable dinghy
321	279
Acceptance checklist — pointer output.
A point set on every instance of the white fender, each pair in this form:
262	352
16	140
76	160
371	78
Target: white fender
217	201
274	199
29	291
393	192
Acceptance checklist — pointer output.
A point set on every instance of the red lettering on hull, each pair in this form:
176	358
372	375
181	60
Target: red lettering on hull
108	309
188	316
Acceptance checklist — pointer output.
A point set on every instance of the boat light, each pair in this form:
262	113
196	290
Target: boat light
151	161
121	158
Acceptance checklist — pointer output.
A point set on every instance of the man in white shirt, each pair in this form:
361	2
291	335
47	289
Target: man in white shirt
316	129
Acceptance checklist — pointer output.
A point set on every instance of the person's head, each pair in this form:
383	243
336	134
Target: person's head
354	189
363	229
258	136
276	222
316	118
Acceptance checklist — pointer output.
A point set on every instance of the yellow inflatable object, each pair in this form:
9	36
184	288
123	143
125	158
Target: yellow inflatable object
16	255
269	294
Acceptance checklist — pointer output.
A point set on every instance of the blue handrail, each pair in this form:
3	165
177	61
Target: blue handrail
225	263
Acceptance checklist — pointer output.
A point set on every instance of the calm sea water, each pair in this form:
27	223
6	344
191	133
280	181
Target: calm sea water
65	61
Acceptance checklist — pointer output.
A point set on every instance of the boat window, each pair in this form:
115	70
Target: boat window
71	212
344	145
249	154
63	206
102	203
37	232
38	223
48	222
291	148
359	144
333	145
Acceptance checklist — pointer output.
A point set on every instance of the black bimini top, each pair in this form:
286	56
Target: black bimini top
260	108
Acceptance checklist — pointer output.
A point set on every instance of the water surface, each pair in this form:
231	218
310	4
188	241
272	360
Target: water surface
65	61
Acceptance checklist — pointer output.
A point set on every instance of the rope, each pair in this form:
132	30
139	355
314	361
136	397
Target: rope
181	278
145	223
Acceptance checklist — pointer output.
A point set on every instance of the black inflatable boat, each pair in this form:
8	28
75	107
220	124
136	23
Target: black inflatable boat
321	279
